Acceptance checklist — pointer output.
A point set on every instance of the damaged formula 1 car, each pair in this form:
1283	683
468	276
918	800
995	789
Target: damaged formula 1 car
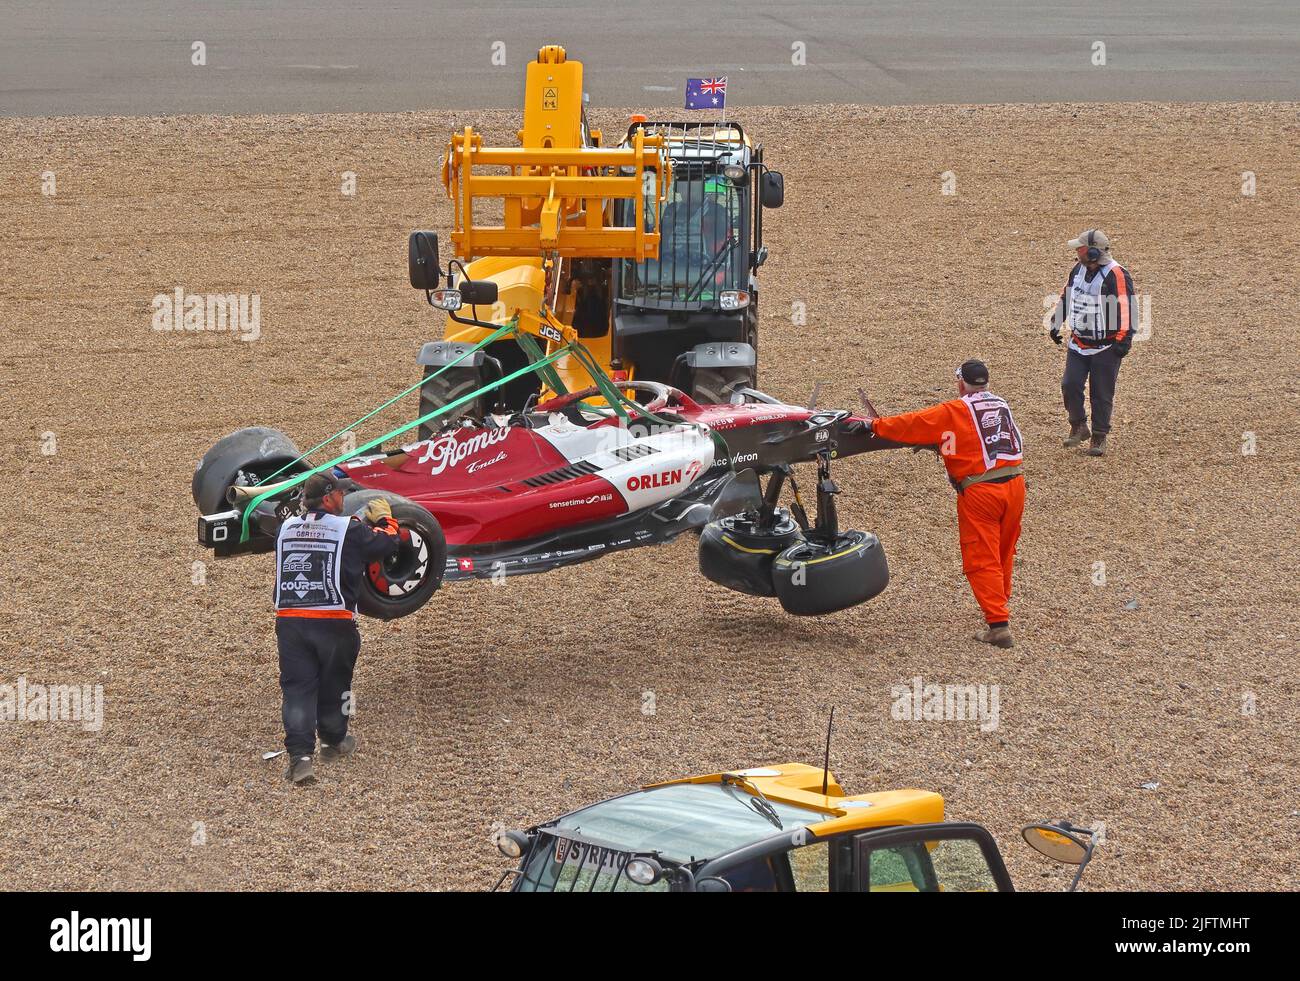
576	476
561	447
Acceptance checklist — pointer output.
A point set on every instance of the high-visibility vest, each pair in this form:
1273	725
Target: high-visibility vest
1086	308
309	564
999	439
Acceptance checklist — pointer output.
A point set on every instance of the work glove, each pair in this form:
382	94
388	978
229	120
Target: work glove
1055	334
377	510
1122	349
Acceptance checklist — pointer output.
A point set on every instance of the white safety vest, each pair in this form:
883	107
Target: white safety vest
309	562
1085	316
999	437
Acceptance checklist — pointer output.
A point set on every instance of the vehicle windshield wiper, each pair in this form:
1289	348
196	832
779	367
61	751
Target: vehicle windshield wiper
759	803
723	253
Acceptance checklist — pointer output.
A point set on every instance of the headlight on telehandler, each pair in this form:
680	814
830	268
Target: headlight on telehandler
734	299
445	299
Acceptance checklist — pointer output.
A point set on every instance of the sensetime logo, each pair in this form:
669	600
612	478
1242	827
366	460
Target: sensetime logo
96	934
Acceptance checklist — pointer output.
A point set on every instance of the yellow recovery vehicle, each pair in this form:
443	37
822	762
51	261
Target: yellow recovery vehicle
787	828
647	251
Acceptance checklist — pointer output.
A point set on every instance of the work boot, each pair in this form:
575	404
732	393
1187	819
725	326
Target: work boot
300	770
1098	447
1078	433
997	636
345	747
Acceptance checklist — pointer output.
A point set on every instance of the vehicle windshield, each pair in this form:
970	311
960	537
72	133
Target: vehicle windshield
684	822
701	245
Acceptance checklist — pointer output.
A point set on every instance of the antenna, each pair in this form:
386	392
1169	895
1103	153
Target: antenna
826	763
812	399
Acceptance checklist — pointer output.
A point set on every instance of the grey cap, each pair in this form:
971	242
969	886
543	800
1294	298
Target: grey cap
1092	238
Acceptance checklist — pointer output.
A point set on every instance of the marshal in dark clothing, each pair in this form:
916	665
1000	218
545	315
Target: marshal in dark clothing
320	557
1098	306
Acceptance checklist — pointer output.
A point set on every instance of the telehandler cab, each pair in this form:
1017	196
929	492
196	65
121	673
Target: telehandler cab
648	251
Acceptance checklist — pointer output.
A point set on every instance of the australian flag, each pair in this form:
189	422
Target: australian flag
706	93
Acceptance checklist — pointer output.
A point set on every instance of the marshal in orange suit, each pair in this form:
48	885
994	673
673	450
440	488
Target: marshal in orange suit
982	451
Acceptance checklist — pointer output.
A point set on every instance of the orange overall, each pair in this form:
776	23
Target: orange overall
975	435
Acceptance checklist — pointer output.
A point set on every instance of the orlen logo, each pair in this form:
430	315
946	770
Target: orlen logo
692	471
665	478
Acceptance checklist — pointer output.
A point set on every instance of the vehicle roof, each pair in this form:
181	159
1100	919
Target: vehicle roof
801	785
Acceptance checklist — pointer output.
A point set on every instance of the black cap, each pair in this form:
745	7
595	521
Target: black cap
318	485
973	372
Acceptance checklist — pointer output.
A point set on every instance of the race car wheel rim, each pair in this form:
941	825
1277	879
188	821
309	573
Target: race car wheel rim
402	574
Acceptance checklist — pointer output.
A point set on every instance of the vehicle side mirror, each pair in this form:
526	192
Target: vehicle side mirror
475	291
1063	842
773	189
1056	843
422	260
711	883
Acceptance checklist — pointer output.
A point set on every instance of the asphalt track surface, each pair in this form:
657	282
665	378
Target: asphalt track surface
134	57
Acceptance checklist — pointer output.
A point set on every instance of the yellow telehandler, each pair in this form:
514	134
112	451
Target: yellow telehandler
646	251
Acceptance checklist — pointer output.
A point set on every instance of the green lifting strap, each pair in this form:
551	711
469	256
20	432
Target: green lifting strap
533	352
539	364
495	335
295	481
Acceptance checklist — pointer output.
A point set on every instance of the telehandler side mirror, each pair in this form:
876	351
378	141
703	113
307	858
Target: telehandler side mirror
1062	842
422	260
475	291
773	191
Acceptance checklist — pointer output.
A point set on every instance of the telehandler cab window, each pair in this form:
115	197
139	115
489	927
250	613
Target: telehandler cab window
926	860
559	864
702	245
683	822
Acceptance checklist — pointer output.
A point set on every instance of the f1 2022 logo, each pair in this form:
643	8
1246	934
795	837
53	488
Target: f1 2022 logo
297	562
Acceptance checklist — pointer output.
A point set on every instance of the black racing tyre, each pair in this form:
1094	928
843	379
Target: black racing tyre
245	456
402	583
812	578
734	555
452	384
713	386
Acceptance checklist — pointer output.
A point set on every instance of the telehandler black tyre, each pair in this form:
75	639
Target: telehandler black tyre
713	386
451	385
812	578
